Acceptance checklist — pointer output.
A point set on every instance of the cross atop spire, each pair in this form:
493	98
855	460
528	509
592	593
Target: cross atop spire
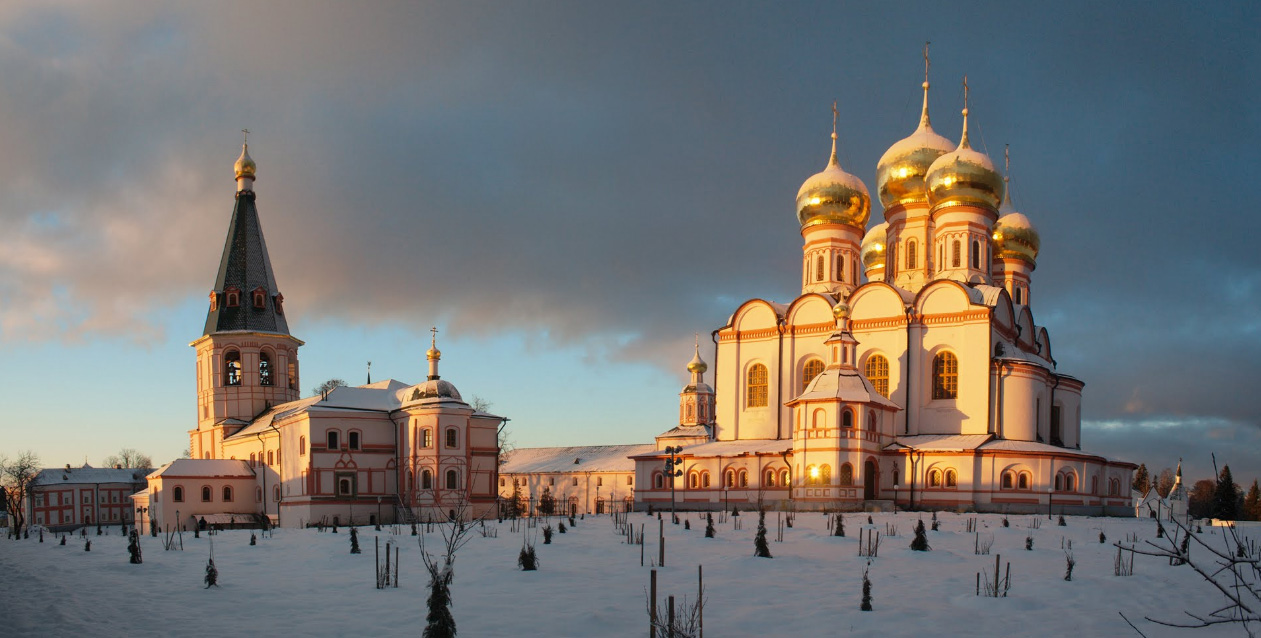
926	62
923	118
247	136
832	160
433	339
963	142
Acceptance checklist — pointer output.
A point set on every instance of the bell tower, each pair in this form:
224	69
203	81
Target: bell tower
247	362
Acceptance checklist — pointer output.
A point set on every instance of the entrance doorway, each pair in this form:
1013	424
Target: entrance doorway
870	479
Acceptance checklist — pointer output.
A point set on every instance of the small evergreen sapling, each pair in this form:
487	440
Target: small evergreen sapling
1160	529
439	621
63	540
869	521
527	560
687	524
1068	572
839	528
41	534
1029	543
414	532
1102	537
920	544
212	574
1006	523
87	546
760	548
354	541
560	527
133	548
1061	522
547	534
253	539
866	606
709	525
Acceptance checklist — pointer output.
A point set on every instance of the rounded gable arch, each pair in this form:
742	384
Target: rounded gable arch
1005	311
875	300
755	314
1044	343
1024	321
808	309
944	296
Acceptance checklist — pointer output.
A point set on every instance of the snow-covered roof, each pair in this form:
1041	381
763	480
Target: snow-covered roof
731	448
582	458
92	475
940	442
228	468
846	385
685	431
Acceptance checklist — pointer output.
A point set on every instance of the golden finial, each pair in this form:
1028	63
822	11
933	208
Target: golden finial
247	136
832	161
923	118
963	142
245	166
433	352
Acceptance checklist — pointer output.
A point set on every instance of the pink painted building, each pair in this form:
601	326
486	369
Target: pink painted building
64	498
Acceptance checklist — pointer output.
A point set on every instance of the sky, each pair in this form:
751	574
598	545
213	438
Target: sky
571	191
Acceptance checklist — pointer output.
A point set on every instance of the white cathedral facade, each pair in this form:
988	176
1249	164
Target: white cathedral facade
909	369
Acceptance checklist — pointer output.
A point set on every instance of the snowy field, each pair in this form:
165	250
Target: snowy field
590	583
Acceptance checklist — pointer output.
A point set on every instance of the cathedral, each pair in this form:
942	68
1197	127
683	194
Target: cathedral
908	372
382	452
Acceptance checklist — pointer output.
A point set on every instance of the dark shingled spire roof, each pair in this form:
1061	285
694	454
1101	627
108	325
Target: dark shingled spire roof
246	267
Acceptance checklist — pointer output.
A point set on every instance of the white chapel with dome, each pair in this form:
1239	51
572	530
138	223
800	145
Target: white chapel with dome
908	369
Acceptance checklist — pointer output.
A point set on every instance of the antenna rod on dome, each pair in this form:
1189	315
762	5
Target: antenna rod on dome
832	161
963	141
923	118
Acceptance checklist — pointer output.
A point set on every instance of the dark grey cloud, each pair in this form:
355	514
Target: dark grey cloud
621	176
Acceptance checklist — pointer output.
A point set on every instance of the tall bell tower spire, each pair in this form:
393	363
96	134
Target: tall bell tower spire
247	362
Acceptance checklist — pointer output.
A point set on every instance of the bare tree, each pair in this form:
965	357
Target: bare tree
17	478
129	458
479	404
328	386
456	533
1164	483
1234	570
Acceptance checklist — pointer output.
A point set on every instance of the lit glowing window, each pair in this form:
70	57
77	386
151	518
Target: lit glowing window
756	394
945	376
812	370
877	373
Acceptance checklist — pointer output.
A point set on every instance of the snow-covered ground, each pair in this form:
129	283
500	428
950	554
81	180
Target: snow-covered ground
590	583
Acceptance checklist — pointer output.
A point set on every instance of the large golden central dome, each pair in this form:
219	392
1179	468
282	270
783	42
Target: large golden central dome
833	196
902	169
964	176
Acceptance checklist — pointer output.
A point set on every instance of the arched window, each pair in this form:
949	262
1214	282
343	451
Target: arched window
293	373
691	411
426	438
910	254
847	475
1094	485
810	371
232	367
693	480
227	494
344	487
812	475
206	494
1070	482
945	376
956	258
744	478
840	270
334	442
353	440
847	418
453	480
1024	481
976	254
769	479
178	494
952	478
871	421
877	373
818	269
452	437
426	479
302	446
264	368
253	463
1059	482
818	419
755	391
271	458
729	479
704	479
411	480
275	493
1009	480
783	477
934	478
1018	299
825	474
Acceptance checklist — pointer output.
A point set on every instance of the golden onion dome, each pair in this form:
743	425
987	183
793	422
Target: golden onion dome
873	246
841	309
433	354
1014	237
901	171
697	365
245	166
964	176
833	197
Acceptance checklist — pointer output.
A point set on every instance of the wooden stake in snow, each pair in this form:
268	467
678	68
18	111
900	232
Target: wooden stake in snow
652	605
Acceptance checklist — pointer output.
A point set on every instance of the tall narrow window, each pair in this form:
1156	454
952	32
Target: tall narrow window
945	376
952	478
825	474
264	368
334	442
451	437
847	474
812	370
271	458
426	438
353	440
302	446
910	254
877	373
178	495
205	494
847	418
453	480
1018	296
818	269
976	254
232	368
956	257
293	375
1057	437
756	387
227	493
840	270
769	479
426	480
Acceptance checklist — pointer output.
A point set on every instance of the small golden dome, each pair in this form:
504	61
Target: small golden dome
964	176
901	171
697	365
833	196
433	354
245	166
841	309
1014	237
873	246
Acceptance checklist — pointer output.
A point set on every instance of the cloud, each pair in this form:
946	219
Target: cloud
1160	441
603	176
